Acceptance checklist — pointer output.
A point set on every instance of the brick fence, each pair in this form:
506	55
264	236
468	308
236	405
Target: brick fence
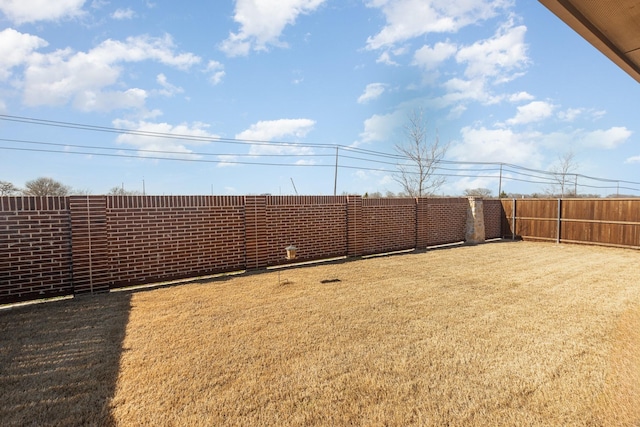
83	244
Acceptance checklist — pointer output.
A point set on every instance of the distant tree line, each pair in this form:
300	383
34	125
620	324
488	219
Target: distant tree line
50	187
44	186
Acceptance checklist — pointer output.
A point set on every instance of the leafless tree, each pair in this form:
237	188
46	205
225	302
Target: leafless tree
417	174
45	187
120	191
7	188
564	176
477	192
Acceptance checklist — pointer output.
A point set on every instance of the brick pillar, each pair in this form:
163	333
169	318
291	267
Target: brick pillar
89	246
354	226
422	227
255	217
475	221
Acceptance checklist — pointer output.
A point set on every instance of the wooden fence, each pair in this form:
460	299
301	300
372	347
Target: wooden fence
605	222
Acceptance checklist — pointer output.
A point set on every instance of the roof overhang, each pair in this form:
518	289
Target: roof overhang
612	26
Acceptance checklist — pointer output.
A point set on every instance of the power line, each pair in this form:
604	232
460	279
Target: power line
371	156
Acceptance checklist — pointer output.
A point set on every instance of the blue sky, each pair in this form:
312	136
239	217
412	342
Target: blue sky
499	81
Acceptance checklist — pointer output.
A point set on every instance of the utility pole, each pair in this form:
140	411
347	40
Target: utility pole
500	184
335	177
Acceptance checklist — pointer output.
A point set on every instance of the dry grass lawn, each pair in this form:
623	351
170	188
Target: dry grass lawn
498	334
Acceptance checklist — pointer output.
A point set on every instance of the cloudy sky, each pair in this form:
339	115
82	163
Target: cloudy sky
254	96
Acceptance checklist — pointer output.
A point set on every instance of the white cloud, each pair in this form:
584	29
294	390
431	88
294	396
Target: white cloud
407	19
634	159
262	22
15	49
99	100
456	111
381	127
526	148
84	77
227	160
268	130
122	14
385	58
274	130
521	96
458	185
497	145
430	57
460	90
167	88
605	138
23	11
497	56
174	147
570	114
99	4
371	92
496	59
216	72
534	111
305	162
142	48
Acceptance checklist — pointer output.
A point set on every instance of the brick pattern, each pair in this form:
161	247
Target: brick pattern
153	239
354	224
422	223
388	225
85	244
89	244
255	211
446	220
493	218
35	250
315	225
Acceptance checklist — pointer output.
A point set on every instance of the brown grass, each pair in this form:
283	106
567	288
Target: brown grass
497	334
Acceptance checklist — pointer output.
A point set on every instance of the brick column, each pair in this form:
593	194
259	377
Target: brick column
89	246
354	226
422	228
255	218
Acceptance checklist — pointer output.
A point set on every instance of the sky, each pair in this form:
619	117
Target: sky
268	96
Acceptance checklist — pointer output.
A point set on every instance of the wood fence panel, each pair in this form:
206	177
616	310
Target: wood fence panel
536	219
608	222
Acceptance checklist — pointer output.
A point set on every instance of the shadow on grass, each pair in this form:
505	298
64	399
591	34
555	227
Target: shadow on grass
59	361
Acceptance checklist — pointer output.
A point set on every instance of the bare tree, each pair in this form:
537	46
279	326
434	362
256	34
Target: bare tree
7	188
477	192
45	187
564	176
417	174
120	191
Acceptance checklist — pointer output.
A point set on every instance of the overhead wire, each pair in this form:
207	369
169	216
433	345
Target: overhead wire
370	156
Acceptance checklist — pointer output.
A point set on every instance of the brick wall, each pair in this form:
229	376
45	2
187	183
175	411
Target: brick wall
388	225
446	220
493	218
157	238
85	244
35	248
316	225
